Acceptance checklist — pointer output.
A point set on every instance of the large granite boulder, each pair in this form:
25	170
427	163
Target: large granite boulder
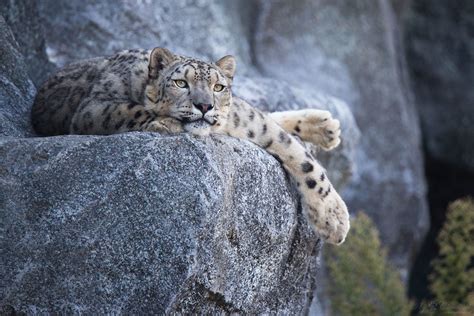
137	223
351	50
16	89
440	52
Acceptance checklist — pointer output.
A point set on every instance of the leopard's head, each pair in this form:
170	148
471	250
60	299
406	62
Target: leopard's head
194	92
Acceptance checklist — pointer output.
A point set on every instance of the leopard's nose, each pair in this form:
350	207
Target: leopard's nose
203	107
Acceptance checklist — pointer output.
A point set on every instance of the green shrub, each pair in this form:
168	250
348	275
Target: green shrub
361	280
452	280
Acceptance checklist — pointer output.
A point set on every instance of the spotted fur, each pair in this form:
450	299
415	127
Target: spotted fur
140	90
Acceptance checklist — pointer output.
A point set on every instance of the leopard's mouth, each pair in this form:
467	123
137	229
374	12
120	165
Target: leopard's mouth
202	121
200	126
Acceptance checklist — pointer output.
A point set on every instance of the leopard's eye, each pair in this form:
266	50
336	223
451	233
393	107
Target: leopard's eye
218	88
180	83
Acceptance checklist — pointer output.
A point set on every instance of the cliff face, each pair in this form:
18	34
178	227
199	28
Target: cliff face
289	55
351	51
143	223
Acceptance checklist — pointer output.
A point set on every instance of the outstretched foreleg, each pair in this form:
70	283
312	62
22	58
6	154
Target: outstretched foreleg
325	209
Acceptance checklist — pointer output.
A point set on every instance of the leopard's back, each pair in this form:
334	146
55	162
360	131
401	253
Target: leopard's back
59	97
121	76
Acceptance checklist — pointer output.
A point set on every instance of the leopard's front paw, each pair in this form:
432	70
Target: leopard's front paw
165	126
329	217
319	128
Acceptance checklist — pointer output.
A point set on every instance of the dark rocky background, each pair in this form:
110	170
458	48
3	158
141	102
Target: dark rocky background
81	212
439	39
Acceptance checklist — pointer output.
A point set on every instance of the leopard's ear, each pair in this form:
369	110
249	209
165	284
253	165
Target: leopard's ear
227	65
159	59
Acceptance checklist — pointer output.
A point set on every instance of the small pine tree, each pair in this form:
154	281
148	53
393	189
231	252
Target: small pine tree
468	309
452	280
361	280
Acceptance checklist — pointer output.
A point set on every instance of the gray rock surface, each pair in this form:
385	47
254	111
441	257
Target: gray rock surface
211	29
352	51
23	18
16	89
440	48
138	223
